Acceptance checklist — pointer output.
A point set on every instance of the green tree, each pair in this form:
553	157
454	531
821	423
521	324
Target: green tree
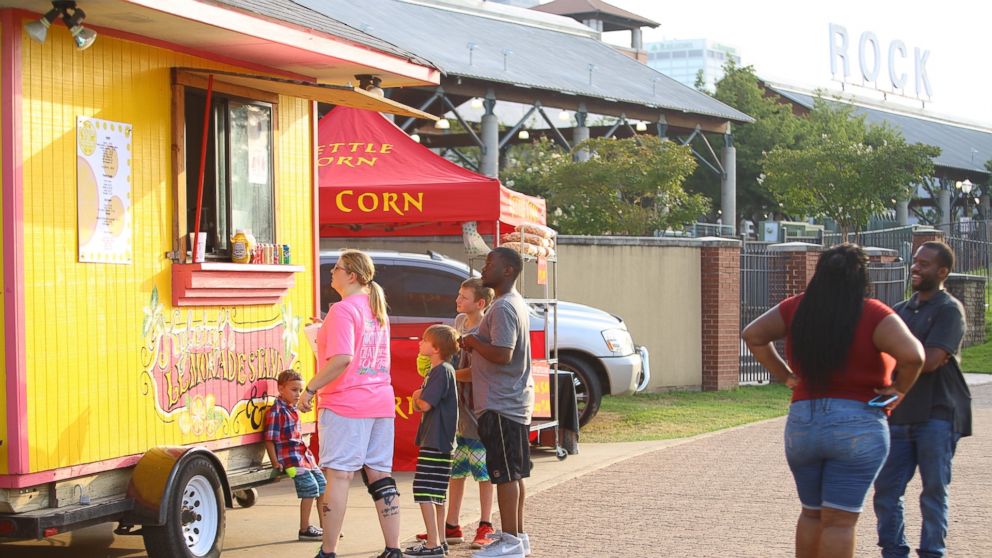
844	169
700	82
627	186
775	125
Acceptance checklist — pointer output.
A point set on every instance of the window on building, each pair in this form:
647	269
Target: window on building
679	54
239	178
695	53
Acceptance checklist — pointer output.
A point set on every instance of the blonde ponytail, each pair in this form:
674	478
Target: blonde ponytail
359	263
377	301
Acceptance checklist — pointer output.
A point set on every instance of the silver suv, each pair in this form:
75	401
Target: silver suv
593	344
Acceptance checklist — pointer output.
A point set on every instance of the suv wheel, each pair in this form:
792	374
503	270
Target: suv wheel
588	393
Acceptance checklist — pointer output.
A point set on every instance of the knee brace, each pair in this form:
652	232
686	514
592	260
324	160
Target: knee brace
382	488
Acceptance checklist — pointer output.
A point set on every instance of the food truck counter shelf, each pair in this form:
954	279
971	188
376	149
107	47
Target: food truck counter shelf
230	284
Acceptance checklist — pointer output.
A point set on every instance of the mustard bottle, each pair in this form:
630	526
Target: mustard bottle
240	252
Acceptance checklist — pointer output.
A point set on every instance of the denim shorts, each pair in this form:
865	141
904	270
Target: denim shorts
310	483
835	448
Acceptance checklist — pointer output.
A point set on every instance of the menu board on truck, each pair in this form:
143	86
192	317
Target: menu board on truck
103	190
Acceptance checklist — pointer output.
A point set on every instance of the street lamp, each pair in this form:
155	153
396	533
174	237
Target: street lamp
965	186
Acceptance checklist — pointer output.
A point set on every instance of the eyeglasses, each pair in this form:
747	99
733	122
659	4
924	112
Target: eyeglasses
339	268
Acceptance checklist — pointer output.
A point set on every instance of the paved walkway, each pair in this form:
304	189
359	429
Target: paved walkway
731	494
727	494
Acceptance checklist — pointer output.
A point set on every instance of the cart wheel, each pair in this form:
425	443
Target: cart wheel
560	453
194	526
246	498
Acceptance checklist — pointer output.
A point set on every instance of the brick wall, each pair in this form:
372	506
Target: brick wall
799	261
721	317
925	235
970	290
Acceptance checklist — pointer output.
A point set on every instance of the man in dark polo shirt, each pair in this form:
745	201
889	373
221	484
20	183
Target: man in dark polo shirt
935	414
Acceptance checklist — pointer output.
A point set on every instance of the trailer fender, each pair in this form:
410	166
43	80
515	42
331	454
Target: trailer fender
154	481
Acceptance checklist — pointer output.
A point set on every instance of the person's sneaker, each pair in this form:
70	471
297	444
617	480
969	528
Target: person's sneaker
311	534
391	553
322	554
481	535
504	545
452	534
525	540
423	550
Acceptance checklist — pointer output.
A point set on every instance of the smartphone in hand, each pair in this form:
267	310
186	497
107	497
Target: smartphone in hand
883	400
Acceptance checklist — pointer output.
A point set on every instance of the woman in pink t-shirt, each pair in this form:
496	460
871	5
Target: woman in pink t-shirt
356	405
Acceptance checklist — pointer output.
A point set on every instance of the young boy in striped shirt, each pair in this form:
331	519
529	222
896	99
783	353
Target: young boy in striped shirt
438	402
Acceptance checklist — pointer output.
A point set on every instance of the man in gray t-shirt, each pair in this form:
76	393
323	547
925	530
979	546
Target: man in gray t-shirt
507	389
503	391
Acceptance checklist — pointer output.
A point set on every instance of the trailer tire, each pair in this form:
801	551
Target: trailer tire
194	526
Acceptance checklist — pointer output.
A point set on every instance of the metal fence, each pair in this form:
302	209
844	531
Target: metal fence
972	245
762	286
889	281
899	239
763	275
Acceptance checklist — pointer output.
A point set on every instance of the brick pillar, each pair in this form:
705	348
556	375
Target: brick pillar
924	235
970	291
720	283
881	255
799	263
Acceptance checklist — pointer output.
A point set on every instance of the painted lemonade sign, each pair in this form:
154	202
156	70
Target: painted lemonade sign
211	372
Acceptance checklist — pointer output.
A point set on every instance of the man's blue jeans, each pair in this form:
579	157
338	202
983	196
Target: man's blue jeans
929	445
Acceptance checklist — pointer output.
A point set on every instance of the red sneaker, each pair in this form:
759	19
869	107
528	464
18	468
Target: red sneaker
481	535
451	534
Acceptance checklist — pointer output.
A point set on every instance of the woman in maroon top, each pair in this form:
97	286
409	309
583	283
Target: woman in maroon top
842	349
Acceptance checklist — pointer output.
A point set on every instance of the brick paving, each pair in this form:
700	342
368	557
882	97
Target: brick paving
731	494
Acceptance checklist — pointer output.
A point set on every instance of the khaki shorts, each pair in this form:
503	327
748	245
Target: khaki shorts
348	444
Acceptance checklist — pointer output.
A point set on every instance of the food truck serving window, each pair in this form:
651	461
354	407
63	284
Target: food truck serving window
239	168
238	185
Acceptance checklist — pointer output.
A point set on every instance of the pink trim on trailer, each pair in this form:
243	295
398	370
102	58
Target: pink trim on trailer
13	242
34	479
315	210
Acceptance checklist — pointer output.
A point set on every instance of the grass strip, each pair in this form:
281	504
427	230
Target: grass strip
680	414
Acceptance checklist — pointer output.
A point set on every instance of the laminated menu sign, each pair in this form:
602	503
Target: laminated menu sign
103	190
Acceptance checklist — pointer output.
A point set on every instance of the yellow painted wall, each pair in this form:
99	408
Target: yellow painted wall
89	397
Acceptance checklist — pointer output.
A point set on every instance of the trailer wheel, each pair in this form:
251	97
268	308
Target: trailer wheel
246	498
194	526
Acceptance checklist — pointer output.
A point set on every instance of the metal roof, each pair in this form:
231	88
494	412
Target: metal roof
292	12
593	8
961	146
513	46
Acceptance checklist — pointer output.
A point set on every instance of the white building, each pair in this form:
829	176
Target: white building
682	60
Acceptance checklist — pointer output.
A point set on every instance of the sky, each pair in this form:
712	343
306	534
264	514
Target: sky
789	43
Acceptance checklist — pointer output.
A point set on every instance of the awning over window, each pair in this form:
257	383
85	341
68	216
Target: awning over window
341	95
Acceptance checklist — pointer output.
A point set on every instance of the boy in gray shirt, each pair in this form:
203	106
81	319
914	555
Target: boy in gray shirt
438	401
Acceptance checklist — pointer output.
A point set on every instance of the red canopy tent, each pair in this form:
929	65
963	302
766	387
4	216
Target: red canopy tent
376	181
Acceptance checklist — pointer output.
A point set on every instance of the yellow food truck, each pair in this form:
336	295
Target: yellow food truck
135	370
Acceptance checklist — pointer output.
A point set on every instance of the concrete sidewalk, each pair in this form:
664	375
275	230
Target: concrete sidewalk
731	494
722	494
